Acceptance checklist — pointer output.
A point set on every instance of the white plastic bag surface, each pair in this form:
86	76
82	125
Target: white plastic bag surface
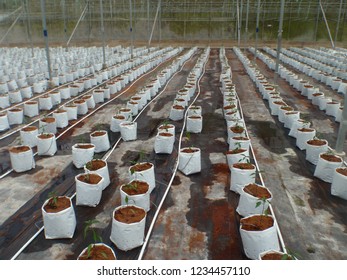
46	147
189	163
101	142
164	144
147	175
326	169
241	177
22	161
128	131
81	156
140	200
339	185
88	194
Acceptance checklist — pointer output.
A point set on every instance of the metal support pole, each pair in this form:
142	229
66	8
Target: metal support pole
12	25
131	28
326	24
238	23
78	22
45	35
317	22
279	40
148	26
257	31
155	20
28	26
246	28
338	22
341	136
65	26
159	23
102	34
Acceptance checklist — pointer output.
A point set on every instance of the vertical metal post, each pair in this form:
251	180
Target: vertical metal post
279	40
185	20
238	23
241	17
317	22
28	26
102	34
65	27
159	22
257	31
246	27
131	28
45	35
338	22
341	136
148	26
326	24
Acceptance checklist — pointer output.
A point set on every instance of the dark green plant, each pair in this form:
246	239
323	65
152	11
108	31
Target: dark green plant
88	227
53	199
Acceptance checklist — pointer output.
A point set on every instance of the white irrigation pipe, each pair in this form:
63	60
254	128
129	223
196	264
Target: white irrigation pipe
88	115
144	246
70	100
105	158
280	237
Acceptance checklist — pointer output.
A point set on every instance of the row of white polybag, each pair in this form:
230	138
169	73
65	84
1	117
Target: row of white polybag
47	102
325	170
254	242
331	107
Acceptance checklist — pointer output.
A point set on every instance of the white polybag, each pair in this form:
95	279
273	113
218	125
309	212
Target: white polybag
303	137
31	109
241	177
128	130
164	143
81	156
127	236
189	163
147	175
4	124
339	185
29	137
46	146
61	118
176	113
59	225
22	161
313	151
140	200
194	124
102	143
326	169
256	242
88	194
103	172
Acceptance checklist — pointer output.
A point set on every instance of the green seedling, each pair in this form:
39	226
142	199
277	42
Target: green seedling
262	201
53	199
96	237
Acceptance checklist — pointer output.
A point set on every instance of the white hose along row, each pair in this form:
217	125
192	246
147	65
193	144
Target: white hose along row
256	242
92	198
329	167
45	138
187	164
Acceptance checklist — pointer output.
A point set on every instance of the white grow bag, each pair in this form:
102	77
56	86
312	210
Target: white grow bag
140	200
241	177
313	151
248	203
29	137
339	185
88	194
236	158
176	114
59	225
22	161
256	242
31	109
71	112
81	156
61	118
127	236
147	175
102	143
189	163
45	103
303	137
15	116
46	147
4	124
194	124
103	172
326	169
128	130
163	144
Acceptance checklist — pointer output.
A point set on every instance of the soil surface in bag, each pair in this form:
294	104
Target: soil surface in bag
85	146
19	149
229	107
276	256
80	101
257	223
241	165
257	191
287	108
305	129
178	107
92	179
60	204
317	142
29	128
48	120
189	150
119	117
342	171
129	215
195	117
98	253
165	134
237	129
98	133
140	167
235	151
60	111
165	127
45	136
240	138
15	110
95	164
135	188
331	158
31	102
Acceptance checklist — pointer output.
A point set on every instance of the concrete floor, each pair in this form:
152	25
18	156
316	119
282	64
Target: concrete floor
198	219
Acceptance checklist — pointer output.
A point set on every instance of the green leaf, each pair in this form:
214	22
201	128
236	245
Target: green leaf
126	199
258	204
